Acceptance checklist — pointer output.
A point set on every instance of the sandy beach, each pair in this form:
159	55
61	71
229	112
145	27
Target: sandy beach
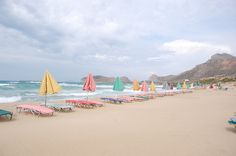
192	124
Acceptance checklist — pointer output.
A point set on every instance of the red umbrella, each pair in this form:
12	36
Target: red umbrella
89	84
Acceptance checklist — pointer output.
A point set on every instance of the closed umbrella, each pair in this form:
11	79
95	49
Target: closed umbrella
136	85
153	87
48	85
144	86
179	86
118	85
166	86
89	84
184	86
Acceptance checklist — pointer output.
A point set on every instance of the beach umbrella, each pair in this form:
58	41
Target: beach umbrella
179	86
166	86
136	85
89	84
153	87
118	85
48	85
144	86
184	86
188	85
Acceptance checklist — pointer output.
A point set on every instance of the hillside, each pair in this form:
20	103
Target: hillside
218	65
104	79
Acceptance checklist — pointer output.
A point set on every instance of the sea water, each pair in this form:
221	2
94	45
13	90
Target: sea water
21	91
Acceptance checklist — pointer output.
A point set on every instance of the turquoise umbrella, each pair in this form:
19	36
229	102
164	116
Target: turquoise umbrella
118	85
179	86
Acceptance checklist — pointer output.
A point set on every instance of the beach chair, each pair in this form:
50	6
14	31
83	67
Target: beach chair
232	121
112	100
6	113
85	103
61	107
35	109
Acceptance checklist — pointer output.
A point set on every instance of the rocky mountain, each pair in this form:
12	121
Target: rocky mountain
104	79
217	65
156	78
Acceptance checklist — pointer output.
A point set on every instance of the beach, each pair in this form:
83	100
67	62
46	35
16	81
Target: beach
193	124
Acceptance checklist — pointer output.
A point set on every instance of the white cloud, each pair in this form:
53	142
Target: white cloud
180	47
104	57
111	33
163	57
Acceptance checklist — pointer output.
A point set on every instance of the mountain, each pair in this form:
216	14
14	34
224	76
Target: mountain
218	65
156	78
104	79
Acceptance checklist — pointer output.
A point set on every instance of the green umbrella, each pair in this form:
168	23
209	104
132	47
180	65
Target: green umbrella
179	86
118	85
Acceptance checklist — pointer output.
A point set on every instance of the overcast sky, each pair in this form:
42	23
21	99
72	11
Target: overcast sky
134	38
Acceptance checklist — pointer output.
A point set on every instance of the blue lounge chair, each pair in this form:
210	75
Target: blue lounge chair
113	100
232	121
6	113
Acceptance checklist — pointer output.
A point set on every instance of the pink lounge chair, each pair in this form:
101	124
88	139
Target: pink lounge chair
35	109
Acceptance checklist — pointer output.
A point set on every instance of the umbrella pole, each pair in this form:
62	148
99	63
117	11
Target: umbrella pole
45	99
87	96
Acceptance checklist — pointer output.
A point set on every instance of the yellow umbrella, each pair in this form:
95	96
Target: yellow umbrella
184	86
153	87
48	85
136	85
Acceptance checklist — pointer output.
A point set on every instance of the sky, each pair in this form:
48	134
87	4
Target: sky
134	38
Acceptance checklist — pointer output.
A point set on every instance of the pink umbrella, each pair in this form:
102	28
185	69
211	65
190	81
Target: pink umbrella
89	84
144	87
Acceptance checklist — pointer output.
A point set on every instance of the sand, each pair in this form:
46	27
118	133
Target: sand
183	125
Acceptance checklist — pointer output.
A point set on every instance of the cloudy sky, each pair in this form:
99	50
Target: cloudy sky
135	38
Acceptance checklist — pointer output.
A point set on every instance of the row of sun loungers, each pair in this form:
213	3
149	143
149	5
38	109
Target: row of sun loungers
139	97
38	110
71	104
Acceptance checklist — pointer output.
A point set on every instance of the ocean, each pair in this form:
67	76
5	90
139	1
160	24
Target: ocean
23	91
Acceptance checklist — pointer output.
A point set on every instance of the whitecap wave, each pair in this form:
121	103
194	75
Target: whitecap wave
104	86
14	82
10	99
77	94
4	84
70	85
37	82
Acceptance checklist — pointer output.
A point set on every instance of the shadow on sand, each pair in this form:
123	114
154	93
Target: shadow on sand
231	129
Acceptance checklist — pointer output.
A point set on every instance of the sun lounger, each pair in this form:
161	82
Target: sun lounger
139	96
6	113
113	100
61	107
85	103
35	109
126	98
232	121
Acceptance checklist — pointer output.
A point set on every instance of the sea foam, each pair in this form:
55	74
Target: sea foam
10	99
